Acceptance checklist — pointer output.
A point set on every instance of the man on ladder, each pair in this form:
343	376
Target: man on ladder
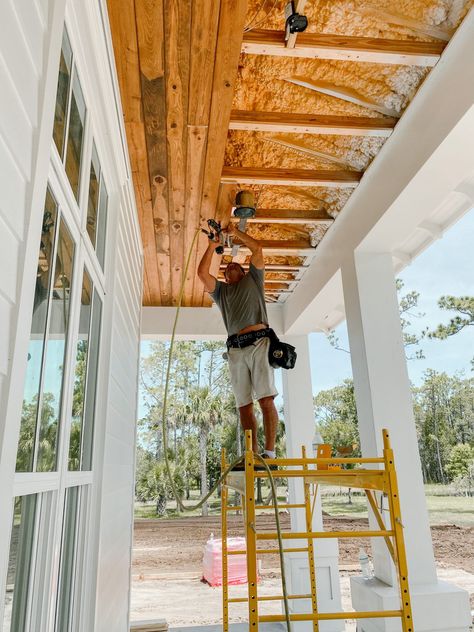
241	300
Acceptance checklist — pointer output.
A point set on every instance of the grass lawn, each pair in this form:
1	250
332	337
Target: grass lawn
443	509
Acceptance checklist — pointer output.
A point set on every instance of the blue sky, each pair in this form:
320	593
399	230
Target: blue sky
447	267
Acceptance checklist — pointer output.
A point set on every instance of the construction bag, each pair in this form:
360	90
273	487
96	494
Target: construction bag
280	354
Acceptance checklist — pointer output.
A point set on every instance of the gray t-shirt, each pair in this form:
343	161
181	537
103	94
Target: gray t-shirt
242	304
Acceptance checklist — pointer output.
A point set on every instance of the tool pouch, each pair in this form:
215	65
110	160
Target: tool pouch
280	354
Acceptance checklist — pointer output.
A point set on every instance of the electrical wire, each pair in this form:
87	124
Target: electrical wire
280	540
251	26
232	465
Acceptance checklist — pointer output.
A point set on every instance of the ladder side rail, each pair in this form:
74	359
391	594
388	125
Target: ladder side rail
397	526
225	561
251	533
309	529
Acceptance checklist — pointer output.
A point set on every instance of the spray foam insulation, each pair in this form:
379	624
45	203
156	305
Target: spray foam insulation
261	86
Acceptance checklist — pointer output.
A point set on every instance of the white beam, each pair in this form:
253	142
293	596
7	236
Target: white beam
417	170
195	323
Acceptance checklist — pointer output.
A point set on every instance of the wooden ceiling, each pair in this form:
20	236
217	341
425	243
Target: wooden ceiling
214	100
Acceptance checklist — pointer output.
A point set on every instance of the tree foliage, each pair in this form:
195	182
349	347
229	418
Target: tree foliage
463	308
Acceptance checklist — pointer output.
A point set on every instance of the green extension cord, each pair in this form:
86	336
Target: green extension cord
232	465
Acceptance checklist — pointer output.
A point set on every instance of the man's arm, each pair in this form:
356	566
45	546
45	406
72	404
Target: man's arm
203	269
253	244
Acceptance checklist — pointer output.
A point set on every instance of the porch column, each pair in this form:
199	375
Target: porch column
383	398
299	425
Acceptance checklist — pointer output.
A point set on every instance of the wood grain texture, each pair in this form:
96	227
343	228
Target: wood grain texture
341	47
311	123
122	21
204	29
177	31
229	43
291	216
290	177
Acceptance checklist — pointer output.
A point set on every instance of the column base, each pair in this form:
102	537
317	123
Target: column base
327	585
440	607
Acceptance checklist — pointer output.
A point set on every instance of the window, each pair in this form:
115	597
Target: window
75	136
46	353
87	355
20	563
62	96
70	116
97	207
71	558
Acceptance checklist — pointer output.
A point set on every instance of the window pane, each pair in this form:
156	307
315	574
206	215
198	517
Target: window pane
89	411
55	352
102	222
82	350
26	445
77	118
20	563
62	94
68	570
93	202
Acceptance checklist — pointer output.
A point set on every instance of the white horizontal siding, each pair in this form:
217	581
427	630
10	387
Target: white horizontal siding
12	193
119	454
22	49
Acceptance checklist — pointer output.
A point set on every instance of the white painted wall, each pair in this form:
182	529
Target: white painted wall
30	42
118	464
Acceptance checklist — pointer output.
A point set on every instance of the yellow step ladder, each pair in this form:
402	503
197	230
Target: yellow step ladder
313	472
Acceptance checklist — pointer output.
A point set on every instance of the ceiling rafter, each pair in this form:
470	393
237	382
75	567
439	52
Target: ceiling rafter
291	177
311	123
343	47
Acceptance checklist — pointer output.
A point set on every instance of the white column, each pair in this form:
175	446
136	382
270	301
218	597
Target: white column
299	425
383	398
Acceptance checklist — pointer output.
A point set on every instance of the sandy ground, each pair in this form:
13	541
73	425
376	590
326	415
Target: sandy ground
167	560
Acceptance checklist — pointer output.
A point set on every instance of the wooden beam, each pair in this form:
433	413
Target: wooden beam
121	16
177	29
290	177
270	267
150	34
281	247
287	141
299	8
311	123
391	17
342	47
204	28
344	93
290	216
229	43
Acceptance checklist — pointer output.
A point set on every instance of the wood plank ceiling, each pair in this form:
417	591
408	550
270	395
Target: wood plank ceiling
214	100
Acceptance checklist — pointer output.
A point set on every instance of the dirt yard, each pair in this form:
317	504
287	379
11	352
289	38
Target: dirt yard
167	560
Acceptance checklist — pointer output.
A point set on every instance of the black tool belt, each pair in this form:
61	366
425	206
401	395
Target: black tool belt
245	340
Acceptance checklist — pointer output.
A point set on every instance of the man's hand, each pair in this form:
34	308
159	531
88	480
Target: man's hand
231	229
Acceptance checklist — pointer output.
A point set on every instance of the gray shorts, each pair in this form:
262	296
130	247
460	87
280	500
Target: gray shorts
251	375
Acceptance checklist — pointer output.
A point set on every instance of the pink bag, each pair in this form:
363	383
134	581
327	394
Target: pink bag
212	562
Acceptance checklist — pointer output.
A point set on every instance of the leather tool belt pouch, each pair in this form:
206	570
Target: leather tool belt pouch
280	354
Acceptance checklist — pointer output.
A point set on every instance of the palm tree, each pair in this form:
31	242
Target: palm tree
206	410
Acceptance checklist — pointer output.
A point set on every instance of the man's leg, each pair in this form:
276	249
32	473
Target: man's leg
249	422
270	421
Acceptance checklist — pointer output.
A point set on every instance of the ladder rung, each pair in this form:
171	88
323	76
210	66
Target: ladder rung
325	616
319	473
268	598
280	597
323	461
324	534
280	506
269	551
